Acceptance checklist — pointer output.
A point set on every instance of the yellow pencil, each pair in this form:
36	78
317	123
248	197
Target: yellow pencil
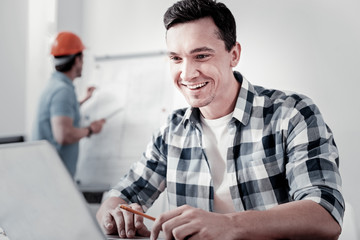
137	212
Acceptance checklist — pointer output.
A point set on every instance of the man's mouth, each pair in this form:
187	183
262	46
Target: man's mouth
196	86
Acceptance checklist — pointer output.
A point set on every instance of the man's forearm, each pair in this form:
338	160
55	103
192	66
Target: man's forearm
64	132
303	219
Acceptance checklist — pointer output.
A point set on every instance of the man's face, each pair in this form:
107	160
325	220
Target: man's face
200	66
79	65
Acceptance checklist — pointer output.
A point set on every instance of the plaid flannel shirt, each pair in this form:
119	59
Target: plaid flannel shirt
281	151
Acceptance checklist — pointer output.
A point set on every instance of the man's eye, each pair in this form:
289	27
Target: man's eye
202	56
174	58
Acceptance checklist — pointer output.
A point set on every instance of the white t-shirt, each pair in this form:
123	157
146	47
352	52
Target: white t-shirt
216	142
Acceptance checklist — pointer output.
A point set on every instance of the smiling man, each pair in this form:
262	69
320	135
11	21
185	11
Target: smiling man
201	67
242	162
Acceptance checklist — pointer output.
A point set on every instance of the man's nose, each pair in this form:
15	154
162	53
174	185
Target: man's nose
189	70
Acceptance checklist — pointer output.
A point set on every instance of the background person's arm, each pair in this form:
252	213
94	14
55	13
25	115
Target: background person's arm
89	92
65	133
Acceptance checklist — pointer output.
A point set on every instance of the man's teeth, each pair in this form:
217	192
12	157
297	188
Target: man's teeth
197	86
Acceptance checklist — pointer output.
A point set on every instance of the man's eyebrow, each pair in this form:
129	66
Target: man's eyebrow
202	49
171	53
196	50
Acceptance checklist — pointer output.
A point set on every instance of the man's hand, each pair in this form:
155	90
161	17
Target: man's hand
96	126
293	220
186	222
113	219
89	92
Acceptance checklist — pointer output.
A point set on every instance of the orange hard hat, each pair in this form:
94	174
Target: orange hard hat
66	43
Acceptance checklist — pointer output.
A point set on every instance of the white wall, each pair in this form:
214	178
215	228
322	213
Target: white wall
41	23
308	46
13	49
122	26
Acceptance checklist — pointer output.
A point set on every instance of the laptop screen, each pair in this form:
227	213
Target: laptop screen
38	198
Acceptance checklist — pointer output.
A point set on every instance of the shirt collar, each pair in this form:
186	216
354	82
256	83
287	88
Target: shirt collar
242	109
62	77
244	103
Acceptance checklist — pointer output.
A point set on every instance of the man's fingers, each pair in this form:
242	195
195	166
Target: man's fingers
129	223
165	217
91	89
125	223
120	222
109	223
142	230
169	221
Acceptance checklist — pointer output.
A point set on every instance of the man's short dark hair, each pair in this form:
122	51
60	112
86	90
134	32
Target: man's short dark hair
68	65
190	10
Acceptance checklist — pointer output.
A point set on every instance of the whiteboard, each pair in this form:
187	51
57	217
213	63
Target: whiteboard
141	91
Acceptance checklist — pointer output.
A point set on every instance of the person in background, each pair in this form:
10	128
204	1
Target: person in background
58	114
242	162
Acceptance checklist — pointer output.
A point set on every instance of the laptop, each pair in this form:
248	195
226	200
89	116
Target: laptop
39	199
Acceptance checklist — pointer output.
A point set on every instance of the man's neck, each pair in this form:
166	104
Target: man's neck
70	75
225	105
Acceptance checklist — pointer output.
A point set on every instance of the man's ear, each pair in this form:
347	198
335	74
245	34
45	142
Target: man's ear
78	58
235	54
